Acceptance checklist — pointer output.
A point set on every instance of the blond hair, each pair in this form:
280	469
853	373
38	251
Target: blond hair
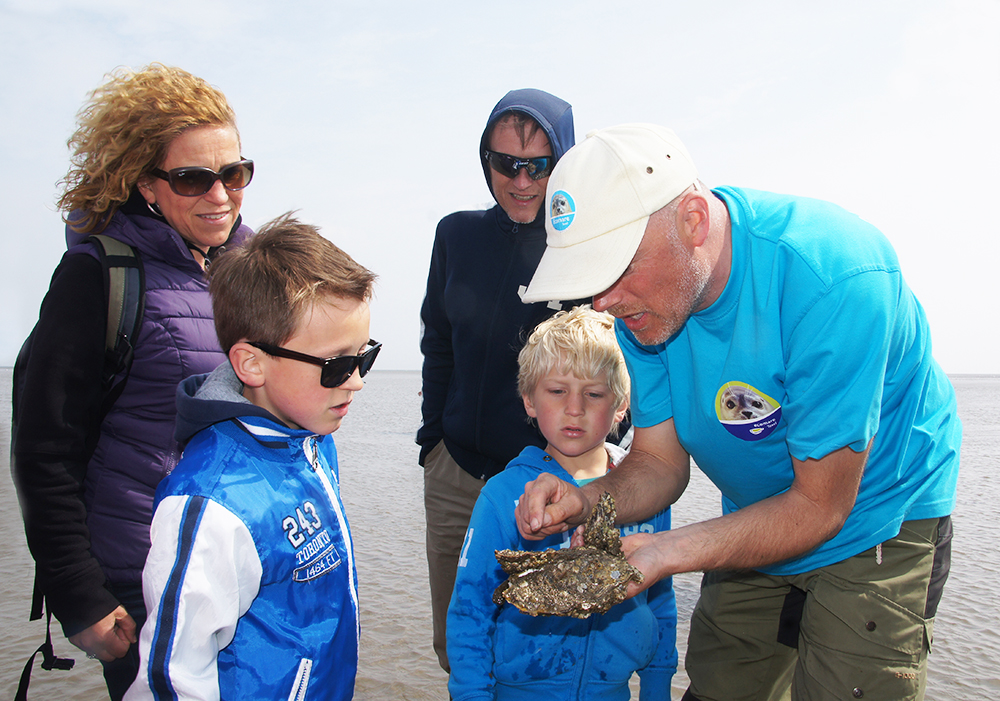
580	342
262	289
125	129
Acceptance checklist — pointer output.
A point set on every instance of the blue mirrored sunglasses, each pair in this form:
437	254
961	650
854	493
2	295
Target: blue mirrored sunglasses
537	168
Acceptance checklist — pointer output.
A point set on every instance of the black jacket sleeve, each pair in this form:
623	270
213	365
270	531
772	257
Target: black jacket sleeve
57	429
436	346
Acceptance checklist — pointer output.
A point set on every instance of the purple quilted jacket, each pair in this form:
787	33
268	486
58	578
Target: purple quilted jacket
136	448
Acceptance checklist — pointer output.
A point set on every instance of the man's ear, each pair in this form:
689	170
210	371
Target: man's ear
528	406
693	218
246	362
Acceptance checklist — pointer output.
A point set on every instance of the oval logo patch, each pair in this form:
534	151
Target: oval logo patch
746	412
562	210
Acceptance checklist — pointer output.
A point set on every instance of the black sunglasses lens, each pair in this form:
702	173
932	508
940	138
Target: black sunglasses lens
367	359
503	164
337	371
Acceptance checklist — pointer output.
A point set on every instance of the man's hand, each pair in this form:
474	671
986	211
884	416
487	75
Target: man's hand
642	550
550	506
109	638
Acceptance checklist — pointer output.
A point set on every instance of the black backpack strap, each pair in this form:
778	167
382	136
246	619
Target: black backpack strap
125	287
49	661
37	599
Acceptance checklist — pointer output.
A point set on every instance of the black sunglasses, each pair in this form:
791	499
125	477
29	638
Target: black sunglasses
193	181
336	371
505	164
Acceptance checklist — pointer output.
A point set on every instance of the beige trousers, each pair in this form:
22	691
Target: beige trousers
450	493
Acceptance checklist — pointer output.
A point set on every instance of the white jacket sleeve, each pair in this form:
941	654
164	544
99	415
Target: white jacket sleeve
201	575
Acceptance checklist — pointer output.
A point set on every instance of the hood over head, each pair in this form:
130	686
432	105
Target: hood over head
553	114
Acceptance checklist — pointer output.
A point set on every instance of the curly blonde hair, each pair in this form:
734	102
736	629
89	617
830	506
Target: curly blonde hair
581	342
125	129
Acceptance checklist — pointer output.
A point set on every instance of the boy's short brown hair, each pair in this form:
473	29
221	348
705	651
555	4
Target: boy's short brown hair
261	289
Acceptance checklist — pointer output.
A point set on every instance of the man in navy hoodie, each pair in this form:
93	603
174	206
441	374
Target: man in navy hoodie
474	324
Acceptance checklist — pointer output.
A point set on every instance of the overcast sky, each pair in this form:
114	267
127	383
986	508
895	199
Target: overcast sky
366	116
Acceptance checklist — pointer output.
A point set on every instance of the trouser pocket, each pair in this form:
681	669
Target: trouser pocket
859	644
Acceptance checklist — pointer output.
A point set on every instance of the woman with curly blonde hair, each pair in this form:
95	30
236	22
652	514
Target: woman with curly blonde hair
156	164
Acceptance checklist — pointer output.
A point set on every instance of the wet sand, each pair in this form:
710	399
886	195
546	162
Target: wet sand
383	491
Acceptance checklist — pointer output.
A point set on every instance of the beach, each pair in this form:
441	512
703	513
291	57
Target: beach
382	487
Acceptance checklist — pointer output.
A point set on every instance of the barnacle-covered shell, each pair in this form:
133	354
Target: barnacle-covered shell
570	582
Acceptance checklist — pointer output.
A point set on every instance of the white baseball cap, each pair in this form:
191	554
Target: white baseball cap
600	197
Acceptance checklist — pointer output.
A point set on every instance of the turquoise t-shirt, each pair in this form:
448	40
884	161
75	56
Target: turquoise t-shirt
815	343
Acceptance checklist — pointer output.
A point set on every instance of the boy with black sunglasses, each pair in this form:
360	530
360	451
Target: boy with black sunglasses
250	582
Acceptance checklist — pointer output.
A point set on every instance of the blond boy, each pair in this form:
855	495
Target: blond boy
573	382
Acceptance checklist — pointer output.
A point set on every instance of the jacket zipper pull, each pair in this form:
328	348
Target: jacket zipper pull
313	453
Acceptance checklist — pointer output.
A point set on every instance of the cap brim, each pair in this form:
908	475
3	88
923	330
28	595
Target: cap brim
586	268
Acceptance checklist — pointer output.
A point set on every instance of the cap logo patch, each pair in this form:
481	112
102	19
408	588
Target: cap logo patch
562	210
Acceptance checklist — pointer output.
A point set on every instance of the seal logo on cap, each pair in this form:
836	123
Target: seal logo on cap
562	210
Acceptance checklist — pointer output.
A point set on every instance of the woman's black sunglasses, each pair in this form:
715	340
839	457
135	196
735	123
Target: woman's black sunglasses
194	181
336	371
504	164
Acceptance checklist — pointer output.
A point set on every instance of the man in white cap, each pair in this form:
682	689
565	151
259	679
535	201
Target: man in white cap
773	340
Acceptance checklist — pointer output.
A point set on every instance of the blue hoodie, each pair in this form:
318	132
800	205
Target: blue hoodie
497	652
474	322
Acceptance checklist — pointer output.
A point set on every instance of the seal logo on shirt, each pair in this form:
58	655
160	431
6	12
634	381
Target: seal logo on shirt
746	412
562	210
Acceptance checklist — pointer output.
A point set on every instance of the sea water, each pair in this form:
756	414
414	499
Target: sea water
382	487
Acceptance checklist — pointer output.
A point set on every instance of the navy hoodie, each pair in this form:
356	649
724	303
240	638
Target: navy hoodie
474	323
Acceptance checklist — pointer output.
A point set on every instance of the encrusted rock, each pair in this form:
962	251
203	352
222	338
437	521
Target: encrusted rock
571	581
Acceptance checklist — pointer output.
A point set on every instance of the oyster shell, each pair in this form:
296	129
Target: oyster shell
571	581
